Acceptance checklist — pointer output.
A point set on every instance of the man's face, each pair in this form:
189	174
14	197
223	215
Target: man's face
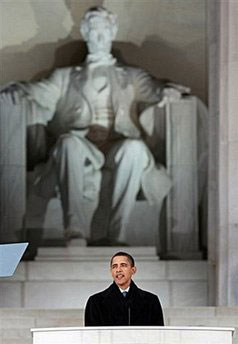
122	271
99	36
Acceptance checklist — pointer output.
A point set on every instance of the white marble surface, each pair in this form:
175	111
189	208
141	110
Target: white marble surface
182	164
10	294
133	335
177	46
15	323
12	166
100	253
91	271
64	280
223	164
74	294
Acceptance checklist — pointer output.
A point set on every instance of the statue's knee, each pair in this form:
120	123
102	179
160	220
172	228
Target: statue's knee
67	142
135	148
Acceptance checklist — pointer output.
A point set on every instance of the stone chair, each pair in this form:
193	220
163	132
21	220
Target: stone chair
178	141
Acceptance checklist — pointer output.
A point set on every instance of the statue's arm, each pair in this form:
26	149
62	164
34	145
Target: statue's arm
41	97
173	92
150	90
150	93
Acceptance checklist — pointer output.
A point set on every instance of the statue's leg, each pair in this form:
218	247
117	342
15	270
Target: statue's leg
127	162
76	179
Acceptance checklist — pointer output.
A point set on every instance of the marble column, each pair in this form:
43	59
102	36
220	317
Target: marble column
12	170
223	171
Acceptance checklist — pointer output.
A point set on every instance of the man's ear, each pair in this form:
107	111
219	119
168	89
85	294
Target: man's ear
134	269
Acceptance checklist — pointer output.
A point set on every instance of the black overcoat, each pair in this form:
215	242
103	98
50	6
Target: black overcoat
110	308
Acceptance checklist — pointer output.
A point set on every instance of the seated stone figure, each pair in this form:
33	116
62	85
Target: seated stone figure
95	113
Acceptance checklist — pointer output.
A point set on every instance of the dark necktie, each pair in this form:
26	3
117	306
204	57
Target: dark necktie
124	293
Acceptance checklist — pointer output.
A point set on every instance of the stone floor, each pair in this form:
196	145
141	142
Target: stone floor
52	290
64	277
15	323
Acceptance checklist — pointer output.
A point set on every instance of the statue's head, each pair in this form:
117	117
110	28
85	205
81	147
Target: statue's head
99	28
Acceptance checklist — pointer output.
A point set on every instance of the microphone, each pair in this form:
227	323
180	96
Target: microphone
128	305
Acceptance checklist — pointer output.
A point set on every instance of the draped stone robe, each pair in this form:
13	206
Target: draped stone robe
62	102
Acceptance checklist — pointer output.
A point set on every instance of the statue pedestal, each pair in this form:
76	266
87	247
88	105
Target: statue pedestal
133	335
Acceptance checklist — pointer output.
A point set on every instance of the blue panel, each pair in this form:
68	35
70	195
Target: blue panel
10	256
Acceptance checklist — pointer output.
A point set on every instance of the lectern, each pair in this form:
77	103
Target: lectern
133	335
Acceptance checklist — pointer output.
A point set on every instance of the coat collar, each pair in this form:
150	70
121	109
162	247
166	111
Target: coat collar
113	290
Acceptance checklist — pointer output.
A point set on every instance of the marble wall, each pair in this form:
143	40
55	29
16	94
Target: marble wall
169	39
166	37
38	37
223	174
12	171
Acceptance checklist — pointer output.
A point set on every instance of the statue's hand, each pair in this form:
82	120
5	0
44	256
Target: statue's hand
169	95
181	88
173	92
11	94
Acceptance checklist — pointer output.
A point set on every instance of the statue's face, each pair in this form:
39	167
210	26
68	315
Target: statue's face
99	38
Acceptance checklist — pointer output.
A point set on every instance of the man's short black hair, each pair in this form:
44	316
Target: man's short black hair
130	258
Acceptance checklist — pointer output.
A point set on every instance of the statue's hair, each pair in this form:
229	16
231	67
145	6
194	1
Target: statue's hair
101	12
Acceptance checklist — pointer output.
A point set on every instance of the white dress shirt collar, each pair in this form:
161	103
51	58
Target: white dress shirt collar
122	290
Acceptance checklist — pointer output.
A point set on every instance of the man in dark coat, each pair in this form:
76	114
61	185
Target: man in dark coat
123	303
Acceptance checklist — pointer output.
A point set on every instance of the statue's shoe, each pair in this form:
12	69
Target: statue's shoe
70	234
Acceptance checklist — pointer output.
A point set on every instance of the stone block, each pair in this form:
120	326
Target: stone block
68	271
187	270
233	185
12	201
96	253
17	322
60	322
227	321
69	294
12	179
187	294
89	271
160	288
12	169
143	224
227	311
198	312
12	138
14	341
18	333
11	294
75	294
233	120
9	226
182	164
193	321
39	313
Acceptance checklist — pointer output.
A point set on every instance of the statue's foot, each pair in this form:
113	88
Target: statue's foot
70	234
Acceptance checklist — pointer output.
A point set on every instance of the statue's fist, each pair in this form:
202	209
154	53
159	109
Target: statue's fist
169	95
173	92
12	93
